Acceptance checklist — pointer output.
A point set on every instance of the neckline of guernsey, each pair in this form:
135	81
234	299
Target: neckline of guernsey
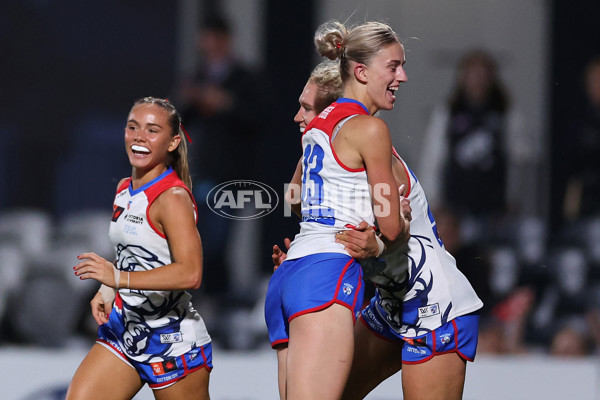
147	185
347	100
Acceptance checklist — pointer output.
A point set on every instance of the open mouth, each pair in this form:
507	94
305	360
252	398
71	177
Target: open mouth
140	150
392	91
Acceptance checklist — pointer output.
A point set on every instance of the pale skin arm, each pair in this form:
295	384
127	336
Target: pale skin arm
172	213
360	242
367	141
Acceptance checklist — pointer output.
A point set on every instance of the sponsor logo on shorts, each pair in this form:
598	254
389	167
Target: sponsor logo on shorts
411	349
164	367
372	321
416	341
347	289
429	310
175	337
166	378
230	199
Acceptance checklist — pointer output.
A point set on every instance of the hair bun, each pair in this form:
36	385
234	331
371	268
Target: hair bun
329	39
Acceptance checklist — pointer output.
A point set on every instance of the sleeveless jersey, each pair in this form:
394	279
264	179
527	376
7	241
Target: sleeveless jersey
156	324
421	287
333	195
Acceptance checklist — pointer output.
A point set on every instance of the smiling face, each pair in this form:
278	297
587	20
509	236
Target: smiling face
148	139
309	100
384	74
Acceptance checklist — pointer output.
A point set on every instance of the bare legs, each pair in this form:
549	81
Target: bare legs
103	376
193	386
316	364
449	372
376	359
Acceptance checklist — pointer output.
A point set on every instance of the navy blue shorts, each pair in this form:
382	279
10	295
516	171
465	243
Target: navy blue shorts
308	284
159	375
456	336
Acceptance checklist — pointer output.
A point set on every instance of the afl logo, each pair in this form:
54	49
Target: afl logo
242	199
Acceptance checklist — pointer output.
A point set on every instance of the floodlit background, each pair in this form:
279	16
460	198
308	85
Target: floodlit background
71	70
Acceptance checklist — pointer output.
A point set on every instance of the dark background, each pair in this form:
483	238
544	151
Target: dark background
77	66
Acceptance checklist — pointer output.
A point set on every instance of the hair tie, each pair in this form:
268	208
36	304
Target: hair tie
187	135
338	45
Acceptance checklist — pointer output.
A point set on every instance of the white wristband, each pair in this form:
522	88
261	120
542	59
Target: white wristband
380	244
108	293
117	272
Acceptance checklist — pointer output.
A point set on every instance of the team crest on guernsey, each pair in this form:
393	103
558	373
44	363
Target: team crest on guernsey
347	289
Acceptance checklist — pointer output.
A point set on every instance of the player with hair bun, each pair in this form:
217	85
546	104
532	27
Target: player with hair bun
315	293
423	318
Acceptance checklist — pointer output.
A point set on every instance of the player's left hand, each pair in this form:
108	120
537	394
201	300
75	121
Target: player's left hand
92	266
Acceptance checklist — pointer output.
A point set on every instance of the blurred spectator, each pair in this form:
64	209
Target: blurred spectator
505	331
221	108
475	148
565	298
494	274
472	259
582	197
573	339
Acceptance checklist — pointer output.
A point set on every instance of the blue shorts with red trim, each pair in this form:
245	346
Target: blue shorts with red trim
159	375
459	336
308	284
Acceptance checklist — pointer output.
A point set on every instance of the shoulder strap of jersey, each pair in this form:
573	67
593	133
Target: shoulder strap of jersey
124	185
168	181
330	116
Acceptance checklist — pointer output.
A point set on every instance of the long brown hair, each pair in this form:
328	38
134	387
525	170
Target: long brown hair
178	158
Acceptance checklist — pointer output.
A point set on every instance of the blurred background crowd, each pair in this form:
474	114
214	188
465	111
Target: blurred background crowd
499	119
